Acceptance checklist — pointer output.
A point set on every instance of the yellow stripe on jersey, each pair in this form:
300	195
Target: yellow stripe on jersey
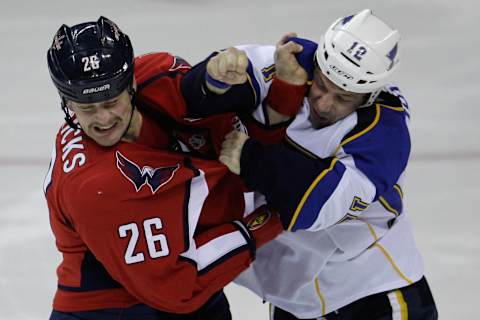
403	305
387	255
307	193
399	190
252	86
361	133
388	207
300	148
372	231
320	296
389	258
400	109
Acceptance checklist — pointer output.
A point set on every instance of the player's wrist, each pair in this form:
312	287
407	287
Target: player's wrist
286	98
216	86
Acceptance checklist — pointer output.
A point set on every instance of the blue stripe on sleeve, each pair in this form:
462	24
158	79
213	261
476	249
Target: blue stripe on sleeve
253	82
318	196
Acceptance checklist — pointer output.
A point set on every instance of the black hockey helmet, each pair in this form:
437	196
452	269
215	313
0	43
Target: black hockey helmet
91	62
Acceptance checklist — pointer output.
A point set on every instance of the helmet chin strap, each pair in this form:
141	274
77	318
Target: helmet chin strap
68	117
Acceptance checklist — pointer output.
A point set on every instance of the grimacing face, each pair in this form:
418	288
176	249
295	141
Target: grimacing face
105	122
330	103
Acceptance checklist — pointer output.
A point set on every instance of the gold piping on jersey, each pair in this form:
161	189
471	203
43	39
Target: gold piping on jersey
307	193
388	207
252	86
399	190
370	127
320	296
300	148
386	254
403	305
400	109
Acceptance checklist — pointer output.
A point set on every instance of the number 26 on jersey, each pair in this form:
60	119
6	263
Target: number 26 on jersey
157	244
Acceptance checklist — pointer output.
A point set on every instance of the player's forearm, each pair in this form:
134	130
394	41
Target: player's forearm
282	175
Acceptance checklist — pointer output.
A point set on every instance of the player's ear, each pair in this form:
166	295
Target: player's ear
134	84
69	105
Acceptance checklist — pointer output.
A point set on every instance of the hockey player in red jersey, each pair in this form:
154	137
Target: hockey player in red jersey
145	232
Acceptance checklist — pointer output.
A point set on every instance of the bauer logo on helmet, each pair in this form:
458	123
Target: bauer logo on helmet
105	87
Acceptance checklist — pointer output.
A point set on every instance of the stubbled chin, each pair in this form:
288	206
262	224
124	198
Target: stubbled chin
317	122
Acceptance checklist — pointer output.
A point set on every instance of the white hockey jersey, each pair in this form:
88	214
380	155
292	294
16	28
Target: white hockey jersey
352	237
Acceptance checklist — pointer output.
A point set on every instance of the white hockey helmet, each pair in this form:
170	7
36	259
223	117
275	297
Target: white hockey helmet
359	53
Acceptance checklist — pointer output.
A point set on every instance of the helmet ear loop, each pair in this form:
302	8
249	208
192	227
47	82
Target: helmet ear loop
68	117
370	99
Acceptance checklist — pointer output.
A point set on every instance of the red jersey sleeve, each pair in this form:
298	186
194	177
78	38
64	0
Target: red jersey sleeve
158	77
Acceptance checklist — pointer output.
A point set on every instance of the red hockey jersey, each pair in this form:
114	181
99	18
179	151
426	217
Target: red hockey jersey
137	224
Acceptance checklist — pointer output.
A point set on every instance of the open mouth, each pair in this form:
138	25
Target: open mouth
104	129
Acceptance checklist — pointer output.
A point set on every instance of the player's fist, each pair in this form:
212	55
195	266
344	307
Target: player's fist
227	68
286	64
232	150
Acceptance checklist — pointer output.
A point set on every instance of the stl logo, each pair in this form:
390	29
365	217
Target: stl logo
153	177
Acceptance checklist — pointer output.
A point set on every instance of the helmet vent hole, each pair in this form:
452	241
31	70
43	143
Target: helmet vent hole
325	54
361	82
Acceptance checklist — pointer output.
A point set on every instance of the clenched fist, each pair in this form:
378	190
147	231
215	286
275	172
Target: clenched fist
232	150
227	68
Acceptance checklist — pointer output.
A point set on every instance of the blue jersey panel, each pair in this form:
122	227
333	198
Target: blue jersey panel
317	195
381	152
392	200
254	83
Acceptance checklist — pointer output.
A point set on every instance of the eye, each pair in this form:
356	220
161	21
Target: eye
85	108
344	99
111	104
320	85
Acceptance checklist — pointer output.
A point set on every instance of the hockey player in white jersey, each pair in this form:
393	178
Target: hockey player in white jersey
336	179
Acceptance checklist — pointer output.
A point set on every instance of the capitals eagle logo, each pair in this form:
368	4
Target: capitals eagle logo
153	177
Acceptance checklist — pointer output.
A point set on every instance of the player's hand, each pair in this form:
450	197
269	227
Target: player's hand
227	68
287	67
232	150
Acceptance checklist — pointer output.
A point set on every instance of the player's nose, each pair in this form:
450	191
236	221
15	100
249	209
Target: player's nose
324	103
